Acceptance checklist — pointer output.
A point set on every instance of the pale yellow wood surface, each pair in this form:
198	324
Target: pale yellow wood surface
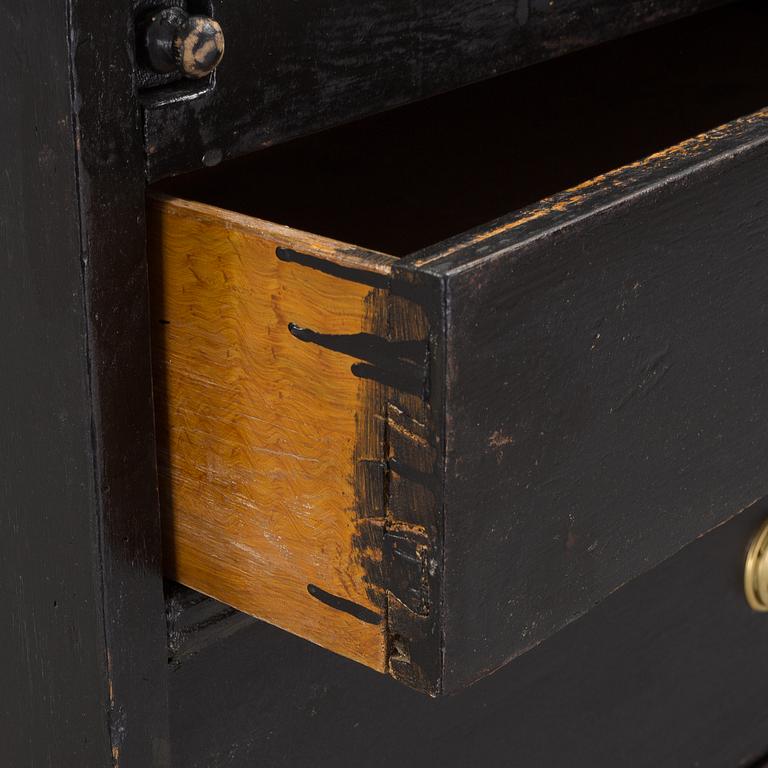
258	430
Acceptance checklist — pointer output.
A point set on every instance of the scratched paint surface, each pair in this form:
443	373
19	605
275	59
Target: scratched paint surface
585	196
258	429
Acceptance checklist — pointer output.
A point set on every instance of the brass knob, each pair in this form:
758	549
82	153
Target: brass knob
177	42
756	570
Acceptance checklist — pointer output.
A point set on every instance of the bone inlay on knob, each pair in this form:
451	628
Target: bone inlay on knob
190	45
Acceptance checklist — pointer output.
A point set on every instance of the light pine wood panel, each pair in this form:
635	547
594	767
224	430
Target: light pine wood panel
260	433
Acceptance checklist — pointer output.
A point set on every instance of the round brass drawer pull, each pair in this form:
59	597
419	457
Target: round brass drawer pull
756	571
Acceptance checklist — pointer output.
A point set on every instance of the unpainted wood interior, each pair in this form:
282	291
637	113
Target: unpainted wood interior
405	179
259	433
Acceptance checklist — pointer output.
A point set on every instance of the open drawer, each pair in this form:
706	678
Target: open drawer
430	457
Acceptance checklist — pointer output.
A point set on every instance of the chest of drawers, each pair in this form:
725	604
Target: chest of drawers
468	390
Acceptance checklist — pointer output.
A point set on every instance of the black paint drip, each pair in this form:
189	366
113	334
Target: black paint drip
399	364
342	604
362	276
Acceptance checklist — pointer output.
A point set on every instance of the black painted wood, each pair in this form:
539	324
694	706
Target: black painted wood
292	68
83	673
108	142
666	672
53	662
605	389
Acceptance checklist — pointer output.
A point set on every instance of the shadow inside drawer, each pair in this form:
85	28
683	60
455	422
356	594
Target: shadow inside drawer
405	179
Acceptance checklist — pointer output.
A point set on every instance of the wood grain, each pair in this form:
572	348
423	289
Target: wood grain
259	429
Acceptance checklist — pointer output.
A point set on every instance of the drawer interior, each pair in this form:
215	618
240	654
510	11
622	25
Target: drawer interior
403	180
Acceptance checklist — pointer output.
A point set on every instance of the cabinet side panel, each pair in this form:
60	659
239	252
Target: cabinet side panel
53	666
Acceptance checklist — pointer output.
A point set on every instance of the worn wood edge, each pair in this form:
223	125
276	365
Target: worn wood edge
333	251
594	196
414	526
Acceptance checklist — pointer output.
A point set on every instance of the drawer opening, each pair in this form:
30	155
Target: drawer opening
403	180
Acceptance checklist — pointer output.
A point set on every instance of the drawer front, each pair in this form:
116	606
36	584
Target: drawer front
431	464
293	68
606	397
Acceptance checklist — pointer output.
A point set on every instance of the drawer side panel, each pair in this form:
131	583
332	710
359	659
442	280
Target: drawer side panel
265	432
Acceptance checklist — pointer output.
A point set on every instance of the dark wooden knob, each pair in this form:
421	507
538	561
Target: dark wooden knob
178	42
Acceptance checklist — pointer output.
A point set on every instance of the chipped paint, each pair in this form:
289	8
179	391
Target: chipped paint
697	149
